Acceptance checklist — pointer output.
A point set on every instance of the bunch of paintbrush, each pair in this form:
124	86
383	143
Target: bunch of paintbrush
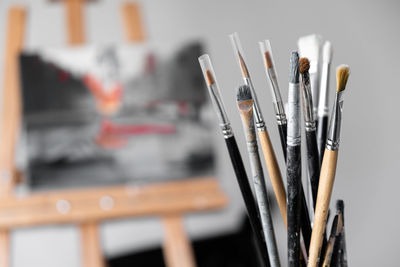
304	243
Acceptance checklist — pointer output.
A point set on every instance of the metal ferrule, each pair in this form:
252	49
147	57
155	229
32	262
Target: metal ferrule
333	139
307	105
293	130
323	92
219	109
276	97
260	124
314	81
226	130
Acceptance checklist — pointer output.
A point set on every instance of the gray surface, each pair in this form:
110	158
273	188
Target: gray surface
364	34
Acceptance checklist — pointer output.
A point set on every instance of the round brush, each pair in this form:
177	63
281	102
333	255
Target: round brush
310	127
293	164
234	153
328	169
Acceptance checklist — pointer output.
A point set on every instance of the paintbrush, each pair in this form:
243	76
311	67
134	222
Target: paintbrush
293	164
336	229
328	168
266	145
310	47
245	106
310	127
266	52
236	159
323	101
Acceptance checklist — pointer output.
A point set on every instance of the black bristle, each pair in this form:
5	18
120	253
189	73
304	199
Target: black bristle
340	206
243	93
294	68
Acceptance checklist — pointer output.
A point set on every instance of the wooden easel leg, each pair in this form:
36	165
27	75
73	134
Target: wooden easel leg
4	248
90	246
178	251
76	31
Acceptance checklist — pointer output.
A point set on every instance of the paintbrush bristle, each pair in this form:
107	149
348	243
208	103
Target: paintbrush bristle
243	93
294	68
209	77
268	60
340	206
342	75
304	65
327	52
243	67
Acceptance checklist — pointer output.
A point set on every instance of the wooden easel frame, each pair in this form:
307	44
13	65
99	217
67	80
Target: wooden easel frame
88	207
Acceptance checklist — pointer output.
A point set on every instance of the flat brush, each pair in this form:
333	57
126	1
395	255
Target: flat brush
293	164
245	106
323	111
266	145
266	52
328	169
236	159
310	127
333	238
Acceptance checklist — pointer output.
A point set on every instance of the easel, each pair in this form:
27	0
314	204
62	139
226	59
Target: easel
88	207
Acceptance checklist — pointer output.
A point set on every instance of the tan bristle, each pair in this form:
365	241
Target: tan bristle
268	60
209	77
243	67
342	75
304	65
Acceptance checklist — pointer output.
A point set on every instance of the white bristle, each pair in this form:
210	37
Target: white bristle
310	46
327	52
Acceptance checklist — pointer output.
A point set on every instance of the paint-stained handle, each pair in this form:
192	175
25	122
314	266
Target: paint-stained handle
248	197
313	163
326	180
274	172
293	204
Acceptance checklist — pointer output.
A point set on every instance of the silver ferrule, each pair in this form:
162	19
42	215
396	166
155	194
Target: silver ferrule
314	81
333	138
293	129
220	110
226	130
276	96
260	124
323	92
308	106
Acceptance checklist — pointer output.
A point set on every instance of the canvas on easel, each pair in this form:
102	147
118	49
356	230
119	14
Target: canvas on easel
87	207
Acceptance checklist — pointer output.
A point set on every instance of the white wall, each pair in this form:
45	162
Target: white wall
364	34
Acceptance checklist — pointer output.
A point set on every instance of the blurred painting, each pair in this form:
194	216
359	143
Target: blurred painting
114	115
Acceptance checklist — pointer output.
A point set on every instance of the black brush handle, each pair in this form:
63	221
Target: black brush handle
248	197
283	134
321	134
313	163
306	229
293	204
337	251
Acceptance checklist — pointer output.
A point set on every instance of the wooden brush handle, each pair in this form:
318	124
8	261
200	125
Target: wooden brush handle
274	172
326	180
294	204
248	197
313	163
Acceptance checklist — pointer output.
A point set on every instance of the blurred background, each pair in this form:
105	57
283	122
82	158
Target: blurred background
364	35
